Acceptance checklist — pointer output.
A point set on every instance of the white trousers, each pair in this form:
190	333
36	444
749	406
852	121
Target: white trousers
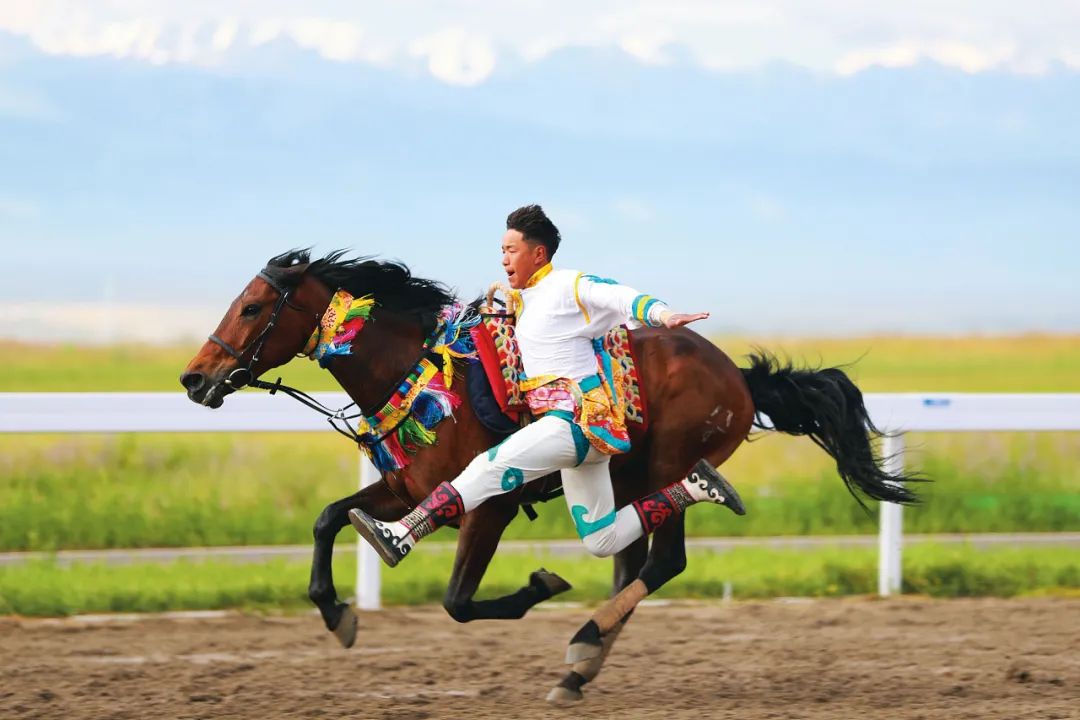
549	444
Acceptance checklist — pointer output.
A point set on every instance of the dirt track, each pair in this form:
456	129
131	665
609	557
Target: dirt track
822	659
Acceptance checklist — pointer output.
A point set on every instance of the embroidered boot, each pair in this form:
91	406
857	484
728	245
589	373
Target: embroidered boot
393	540
703	483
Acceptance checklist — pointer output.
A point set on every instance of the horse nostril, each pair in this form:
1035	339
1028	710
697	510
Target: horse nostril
192	381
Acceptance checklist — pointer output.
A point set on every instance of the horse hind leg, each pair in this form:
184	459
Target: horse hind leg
667	558
628	564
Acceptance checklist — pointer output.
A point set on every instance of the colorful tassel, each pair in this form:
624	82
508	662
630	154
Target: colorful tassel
407	421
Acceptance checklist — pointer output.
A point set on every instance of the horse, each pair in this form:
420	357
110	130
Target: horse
701	406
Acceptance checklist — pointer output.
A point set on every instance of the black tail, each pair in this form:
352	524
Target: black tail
826	406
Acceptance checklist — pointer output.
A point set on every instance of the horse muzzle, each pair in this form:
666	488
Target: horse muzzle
203	390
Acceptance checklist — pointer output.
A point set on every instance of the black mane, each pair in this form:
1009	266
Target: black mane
390	283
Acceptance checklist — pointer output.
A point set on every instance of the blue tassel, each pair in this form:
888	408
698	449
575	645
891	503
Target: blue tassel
430	408
334	351
381	459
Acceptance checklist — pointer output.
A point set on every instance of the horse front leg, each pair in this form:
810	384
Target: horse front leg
481	530
339	617
628	564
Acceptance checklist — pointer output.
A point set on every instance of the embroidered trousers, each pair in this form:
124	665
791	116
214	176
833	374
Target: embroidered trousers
549	444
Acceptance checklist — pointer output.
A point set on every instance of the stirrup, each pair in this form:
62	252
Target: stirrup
389	547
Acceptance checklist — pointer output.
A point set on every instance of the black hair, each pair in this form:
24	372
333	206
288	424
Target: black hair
537	228
392	284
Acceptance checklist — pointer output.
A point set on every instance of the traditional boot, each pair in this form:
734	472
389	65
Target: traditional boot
394	540
703	483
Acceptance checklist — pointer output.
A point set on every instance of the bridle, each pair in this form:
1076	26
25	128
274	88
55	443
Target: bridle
244	376
241	377
342	419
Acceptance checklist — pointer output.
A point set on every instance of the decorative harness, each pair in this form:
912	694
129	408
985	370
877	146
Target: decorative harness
416	404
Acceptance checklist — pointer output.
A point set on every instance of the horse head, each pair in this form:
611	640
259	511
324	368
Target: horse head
276	314
268	323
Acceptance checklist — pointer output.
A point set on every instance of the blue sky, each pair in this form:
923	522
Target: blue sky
902	169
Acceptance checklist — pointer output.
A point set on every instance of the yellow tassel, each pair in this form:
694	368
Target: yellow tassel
448	366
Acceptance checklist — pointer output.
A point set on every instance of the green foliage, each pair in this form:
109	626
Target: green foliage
89	491
252	489
1017	363
45	588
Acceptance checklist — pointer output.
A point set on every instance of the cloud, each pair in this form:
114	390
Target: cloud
456	56
462	41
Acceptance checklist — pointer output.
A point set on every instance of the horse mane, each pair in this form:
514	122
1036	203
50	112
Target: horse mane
392	284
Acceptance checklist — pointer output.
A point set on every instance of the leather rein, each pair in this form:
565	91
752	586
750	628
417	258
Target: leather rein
245	377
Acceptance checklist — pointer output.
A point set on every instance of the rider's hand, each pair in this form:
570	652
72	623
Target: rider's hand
674	320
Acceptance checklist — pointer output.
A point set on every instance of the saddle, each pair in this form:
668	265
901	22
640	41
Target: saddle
494	383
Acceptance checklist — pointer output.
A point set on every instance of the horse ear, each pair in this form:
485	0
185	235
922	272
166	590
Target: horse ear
292	274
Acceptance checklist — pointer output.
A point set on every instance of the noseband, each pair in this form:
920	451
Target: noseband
243	376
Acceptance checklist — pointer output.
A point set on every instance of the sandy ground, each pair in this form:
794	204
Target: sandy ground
906	658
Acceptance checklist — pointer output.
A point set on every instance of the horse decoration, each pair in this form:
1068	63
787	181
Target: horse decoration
396	344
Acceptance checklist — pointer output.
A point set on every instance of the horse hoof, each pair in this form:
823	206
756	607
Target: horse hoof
564	697
549	582
345	630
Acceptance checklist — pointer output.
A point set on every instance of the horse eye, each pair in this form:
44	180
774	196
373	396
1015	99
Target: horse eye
250	310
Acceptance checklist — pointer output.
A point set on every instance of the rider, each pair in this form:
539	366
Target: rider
559	313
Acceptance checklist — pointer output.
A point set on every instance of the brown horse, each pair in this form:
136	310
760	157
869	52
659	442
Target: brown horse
701	406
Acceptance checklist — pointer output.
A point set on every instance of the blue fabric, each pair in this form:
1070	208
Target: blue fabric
484	403
588	527
605	363
645	312
512	479
581	443
600	280
621	445
590	383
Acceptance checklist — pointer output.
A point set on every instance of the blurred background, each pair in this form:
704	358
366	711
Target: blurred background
891	185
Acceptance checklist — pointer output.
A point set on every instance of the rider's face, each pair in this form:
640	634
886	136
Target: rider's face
521	259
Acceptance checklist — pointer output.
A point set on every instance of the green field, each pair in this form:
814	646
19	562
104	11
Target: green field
94	491
44	588
1021	363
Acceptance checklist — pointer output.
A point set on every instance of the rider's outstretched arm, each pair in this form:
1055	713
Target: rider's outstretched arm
606	304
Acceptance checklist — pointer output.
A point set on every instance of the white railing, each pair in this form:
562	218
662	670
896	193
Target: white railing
894	413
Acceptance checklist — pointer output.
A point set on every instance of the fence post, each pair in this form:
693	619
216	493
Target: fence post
368	564
891	531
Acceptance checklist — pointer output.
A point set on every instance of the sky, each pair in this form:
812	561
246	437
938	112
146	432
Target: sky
801	168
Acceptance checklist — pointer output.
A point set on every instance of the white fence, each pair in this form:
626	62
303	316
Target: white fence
895	413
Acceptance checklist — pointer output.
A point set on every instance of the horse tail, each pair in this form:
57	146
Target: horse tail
826	406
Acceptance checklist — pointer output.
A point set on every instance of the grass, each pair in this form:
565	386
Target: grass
95	491
1018	363
44	588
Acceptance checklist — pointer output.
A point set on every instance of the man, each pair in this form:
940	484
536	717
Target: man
579	421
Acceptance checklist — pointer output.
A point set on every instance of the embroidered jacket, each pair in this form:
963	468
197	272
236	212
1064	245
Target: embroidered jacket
561	315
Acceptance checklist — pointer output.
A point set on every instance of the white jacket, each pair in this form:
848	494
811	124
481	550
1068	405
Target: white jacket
560	312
